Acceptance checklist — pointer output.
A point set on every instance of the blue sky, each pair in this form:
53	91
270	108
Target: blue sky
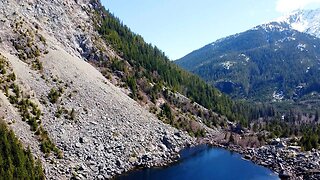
180	26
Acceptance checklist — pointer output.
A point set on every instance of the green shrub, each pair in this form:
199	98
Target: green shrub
37	65
73	114
11	77
53	95
46	146
60	111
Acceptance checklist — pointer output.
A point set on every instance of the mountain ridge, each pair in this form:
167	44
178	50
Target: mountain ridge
215	61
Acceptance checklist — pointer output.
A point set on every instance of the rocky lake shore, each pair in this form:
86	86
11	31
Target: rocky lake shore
287	161
279	155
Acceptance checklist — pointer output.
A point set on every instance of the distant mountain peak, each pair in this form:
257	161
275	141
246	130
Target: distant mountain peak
273	57
273	26
307	21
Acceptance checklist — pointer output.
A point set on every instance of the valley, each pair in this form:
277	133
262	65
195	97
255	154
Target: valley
84	97
272	66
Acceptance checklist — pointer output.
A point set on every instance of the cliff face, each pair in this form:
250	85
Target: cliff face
96	130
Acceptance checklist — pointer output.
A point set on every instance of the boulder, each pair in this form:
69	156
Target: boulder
119	162
167	142
285	174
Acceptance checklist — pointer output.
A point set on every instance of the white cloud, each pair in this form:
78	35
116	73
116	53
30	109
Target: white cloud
285	6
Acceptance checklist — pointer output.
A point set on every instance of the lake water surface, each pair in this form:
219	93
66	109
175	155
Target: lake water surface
205	163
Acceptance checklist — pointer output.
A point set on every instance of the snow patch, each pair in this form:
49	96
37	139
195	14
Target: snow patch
273	26
246	58
301	47
308	69
277	96
300	26
227	64
286	39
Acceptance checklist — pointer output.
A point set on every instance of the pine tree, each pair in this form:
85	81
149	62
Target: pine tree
316	118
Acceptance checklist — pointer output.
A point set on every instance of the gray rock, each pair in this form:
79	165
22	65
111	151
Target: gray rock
167	142
82	167
285	174
133	159
78	145
119	162
163	147
100	147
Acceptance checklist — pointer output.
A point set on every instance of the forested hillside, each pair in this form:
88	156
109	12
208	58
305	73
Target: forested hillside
262	57
268	63
272	66
148	63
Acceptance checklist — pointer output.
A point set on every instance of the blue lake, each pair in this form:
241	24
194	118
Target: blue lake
205	163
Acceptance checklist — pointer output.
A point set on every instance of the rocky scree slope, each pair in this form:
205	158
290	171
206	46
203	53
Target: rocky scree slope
96	129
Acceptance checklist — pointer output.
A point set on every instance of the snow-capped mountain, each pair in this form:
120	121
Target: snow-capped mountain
273	26
269	61
307	21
